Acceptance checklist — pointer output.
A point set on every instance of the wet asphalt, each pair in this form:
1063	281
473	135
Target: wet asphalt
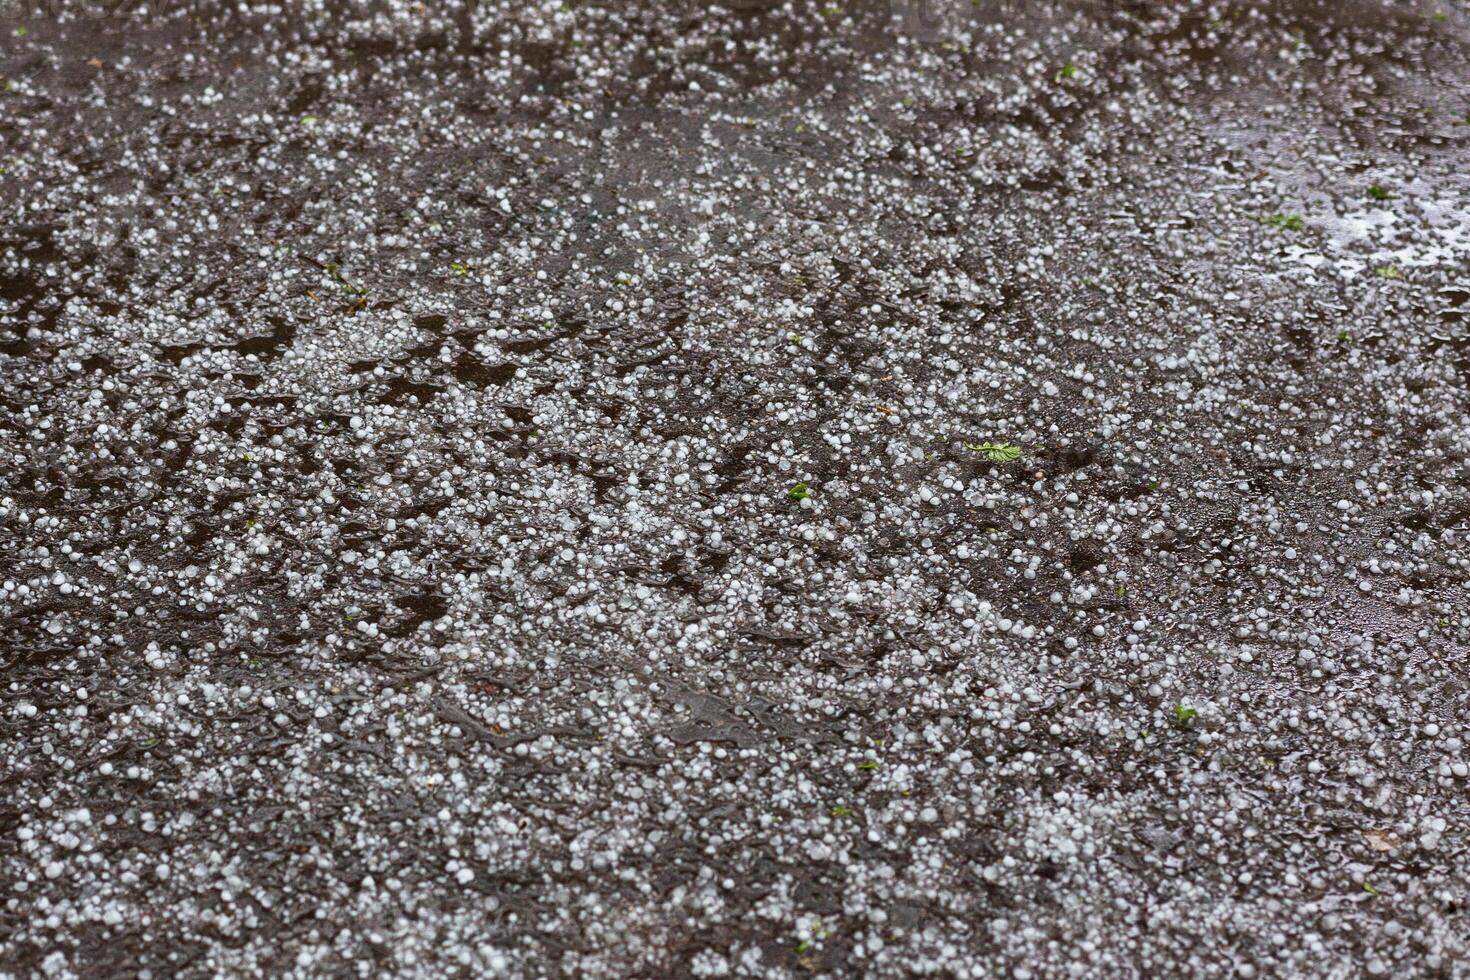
738	489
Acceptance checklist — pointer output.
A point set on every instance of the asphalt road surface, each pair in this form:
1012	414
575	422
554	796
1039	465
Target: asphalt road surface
739	489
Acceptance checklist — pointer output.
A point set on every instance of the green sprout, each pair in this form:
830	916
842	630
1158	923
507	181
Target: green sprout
1343	337
1183	716
1388	271
22	31
459	269
1067	71
803	946
996	452
358	293
794	339
1380	193
830	11
798	493
309	120
1282	222
1369	888
334	272
841	811
867	764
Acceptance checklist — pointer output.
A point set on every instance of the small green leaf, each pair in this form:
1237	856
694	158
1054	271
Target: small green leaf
1183	716
803	946
22	31
798	492
841	811
1369	888
1388	271
996	452
1067	71
459	269
1380	193
867	764
309	120
1282	222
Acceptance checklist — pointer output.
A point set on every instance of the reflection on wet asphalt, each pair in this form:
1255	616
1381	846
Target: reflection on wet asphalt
756	488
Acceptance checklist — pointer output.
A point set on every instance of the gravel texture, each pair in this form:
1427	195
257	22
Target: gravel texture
759	489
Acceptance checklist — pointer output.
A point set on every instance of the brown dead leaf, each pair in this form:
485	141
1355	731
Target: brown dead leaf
1381	840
